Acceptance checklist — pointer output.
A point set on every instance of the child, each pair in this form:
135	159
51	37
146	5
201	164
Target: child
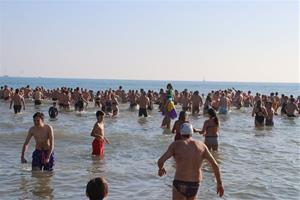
98	133
53	112
97	189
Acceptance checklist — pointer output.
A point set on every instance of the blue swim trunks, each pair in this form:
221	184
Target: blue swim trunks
39	158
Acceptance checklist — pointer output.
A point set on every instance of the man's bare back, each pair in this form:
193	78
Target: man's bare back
188	166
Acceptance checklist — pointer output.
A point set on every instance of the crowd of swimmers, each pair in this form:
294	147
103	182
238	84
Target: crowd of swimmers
186	181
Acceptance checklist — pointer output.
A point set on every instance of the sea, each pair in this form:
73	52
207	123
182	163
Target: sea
256	163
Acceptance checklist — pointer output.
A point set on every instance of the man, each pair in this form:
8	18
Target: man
189	155
291	107
196	102
43	156
143	102
6	93
224	104
38	95
18	101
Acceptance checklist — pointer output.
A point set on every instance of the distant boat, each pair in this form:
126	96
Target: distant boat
5	76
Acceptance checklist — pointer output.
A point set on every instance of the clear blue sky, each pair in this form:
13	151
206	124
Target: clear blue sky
175	40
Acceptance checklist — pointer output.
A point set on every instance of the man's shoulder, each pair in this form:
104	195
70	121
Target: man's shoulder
48	126
31	129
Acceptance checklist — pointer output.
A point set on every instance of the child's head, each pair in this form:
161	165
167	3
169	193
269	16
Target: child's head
97	189
99	113
54	103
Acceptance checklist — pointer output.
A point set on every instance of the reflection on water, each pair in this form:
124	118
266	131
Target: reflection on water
42	184
38	185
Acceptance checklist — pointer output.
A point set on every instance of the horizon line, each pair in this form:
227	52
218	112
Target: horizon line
127	79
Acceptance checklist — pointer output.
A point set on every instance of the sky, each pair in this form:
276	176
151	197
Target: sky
243	41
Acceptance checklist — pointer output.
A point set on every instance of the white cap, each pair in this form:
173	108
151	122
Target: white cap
186	129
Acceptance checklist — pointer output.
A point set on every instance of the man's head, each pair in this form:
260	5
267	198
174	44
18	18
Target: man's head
38	118
186	130
97	189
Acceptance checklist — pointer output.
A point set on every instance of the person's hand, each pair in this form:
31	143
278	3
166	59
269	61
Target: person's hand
220	189
161	172
23	160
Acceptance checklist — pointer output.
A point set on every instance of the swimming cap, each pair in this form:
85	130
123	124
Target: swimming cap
186	129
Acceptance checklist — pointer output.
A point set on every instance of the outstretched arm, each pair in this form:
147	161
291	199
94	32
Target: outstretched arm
168	154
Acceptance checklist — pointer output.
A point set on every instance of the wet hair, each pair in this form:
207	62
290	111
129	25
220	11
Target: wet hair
212	113
97	189
39	114
182	115
100	113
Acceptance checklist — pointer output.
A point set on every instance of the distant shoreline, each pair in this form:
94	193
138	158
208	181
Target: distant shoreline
180	81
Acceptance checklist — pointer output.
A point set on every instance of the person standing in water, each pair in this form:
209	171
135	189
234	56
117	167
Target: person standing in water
259	112
53	112
189	155
18	101
43	156
98	134
210	130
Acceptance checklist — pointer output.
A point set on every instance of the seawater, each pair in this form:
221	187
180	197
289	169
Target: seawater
255	163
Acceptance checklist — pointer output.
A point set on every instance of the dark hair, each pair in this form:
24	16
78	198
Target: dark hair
99	113
169	86
97	188
182	115
212	113
39	114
